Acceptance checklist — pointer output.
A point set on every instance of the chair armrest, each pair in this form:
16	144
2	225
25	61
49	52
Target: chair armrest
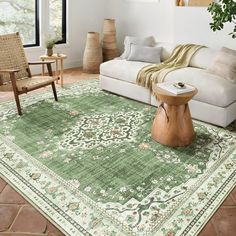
40	62
12	73
48	63
9	71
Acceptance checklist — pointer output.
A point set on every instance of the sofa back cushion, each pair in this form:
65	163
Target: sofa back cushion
224	64
145	41
167	49
145	54
203	58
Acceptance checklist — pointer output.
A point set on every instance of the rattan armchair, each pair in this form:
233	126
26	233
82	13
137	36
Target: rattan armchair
15	73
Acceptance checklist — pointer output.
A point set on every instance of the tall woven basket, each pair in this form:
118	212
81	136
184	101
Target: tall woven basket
109	45
92	53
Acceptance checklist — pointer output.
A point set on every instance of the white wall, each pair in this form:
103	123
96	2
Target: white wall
191	24
142	19
167	22
83	16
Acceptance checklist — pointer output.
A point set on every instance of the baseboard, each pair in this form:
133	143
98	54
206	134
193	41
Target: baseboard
73	64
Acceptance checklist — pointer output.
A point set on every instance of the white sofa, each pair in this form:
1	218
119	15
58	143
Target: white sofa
214	103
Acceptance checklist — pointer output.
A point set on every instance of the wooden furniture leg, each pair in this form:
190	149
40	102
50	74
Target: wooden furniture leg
53	84
49	67
17	103
62	72
57	71
54	91
16	95
43	69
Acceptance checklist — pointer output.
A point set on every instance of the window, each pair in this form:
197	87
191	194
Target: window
23	16
20	16
57	19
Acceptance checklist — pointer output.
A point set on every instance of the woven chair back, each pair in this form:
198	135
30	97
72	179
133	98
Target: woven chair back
12	56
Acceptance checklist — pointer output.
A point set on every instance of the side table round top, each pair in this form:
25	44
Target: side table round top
54	56
171	98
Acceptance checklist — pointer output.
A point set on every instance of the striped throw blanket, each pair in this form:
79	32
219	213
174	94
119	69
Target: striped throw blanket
156	73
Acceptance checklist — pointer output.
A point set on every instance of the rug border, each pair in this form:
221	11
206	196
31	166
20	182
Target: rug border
216	208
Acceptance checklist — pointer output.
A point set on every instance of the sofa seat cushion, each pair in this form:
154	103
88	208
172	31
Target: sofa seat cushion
122	69
212	89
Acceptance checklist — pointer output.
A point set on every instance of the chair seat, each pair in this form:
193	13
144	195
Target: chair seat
27	84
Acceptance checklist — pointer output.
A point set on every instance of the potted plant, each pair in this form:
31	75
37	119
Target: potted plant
49	44
223	11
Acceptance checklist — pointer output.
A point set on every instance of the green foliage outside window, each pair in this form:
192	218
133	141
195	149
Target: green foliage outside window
223	11
18	16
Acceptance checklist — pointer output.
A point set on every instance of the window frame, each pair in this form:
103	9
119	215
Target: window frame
64	23
37	27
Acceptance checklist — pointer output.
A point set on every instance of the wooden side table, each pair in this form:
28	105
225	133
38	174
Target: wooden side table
173	125
59	66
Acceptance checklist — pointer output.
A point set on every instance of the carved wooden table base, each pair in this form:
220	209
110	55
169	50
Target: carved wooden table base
173	125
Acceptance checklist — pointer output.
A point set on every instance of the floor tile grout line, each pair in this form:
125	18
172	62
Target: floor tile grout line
13	222
233	205
234	199
213	224
22	233
10	204
3	188
228	207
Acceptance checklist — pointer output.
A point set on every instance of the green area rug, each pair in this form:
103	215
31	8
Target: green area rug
89	164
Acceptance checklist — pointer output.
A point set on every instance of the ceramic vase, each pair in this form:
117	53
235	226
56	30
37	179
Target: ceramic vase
49	52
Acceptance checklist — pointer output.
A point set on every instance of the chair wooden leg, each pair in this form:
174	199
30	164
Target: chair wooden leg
15	91
54	91
16	95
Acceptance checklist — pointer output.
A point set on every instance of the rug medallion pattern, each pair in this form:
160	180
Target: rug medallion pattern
89	164
102	129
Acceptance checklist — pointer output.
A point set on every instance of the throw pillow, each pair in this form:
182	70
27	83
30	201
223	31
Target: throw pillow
224	64
147	41
145	54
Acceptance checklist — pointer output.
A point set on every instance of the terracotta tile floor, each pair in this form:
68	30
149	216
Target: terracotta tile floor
19	218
